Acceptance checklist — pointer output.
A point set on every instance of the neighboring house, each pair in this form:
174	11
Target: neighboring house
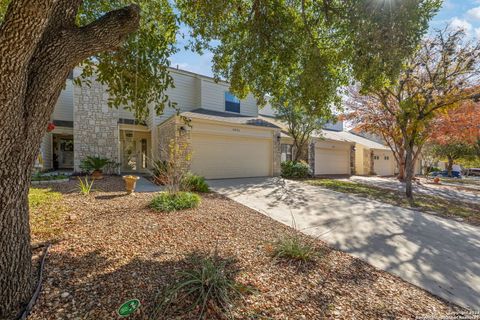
335	151
226	136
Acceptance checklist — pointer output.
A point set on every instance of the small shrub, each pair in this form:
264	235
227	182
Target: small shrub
85	186
195	183
295	169
90	164
208	287
169	201
293	248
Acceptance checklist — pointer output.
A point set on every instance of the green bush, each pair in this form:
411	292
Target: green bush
194	183
90	164
168	201
208	287
293	248
295	169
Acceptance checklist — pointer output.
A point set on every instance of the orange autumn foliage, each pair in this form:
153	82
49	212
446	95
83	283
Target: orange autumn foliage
459	125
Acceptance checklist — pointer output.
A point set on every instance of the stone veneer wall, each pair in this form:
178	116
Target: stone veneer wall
352	160
277	154
372	169
168	131
95	125
311	156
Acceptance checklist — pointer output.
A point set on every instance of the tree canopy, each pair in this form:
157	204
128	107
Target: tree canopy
306	50
439	77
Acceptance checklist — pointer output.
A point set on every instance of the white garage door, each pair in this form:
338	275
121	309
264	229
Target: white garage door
331	161
383	166
217	157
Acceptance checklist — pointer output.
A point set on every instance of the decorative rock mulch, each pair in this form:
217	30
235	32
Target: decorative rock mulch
117	248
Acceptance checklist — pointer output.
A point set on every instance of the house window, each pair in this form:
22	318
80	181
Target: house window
387	158
376	158
232	103
286	152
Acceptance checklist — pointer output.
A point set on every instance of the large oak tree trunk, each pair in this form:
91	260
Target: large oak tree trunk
40	45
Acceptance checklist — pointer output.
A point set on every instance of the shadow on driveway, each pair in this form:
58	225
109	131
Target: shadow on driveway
439	255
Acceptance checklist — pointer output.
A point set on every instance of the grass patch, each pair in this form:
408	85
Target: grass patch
422	202
40	177
167	201
294	249
46	213
467	181
208	287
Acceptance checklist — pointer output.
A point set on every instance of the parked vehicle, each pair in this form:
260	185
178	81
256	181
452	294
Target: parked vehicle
472	172
444	173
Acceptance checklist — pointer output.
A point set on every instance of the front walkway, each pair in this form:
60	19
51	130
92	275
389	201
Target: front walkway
145	185
441	256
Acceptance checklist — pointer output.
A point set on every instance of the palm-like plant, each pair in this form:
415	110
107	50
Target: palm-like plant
95	164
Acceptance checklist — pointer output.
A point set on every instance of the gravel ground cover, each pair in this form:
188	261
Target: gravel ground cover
114	248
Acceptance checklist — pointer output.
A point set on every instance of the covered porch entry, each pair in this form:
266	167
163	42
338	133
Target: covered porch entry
135	149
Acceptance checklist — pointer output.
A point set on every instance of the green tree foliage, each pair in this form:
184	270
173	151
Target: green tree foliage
453	152
306	49
300	124
137	72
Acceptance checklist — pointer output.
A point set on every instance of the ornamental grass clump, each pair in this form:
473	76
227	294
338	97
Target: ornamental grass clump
195	183
207	288
174	201
294	249
85	187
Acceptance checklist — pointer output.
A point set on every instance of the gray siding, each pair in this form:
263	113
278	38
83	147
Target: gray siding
64	107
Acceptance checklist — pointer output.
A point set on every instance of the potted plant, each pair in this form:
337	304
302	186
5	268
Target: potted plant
95	165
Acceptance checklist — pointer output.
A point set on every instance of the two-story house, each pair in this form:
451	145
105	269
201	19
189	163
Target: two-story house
226	136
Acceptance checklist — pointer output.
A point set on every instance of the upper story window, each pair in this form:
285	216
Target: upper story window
232	103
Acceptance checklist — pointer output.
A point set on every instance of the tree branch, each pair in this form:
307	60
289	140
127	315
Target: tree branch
59	53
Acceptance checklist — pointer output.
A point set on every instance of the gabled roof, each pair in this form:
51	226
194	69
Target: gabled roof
228	117
342	136
350	137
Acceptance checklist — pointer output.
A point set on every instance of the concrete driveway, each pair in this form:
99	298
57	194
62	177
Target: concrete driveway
442	256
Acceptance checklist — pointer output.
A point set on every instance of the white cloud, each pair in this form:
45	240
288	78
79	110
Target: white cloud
477	33
474	13
457	23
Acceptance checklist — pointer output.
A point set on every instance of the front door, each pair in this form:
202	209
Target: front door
134	149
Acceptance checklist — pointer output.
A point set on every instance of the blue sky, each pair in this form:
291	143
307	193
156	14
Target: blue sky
458	13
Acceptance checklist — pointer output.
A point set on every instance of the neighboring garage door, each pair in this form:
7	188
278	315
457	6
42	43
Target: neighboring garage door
331	161
383	165
217	157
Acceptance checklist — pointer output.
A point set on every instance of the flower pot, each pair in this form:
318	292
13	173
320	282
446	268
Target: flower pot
97	174
130	183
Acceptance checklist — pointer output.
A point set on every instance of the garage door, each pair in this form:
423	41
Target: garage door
383	165
216	157
331	161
